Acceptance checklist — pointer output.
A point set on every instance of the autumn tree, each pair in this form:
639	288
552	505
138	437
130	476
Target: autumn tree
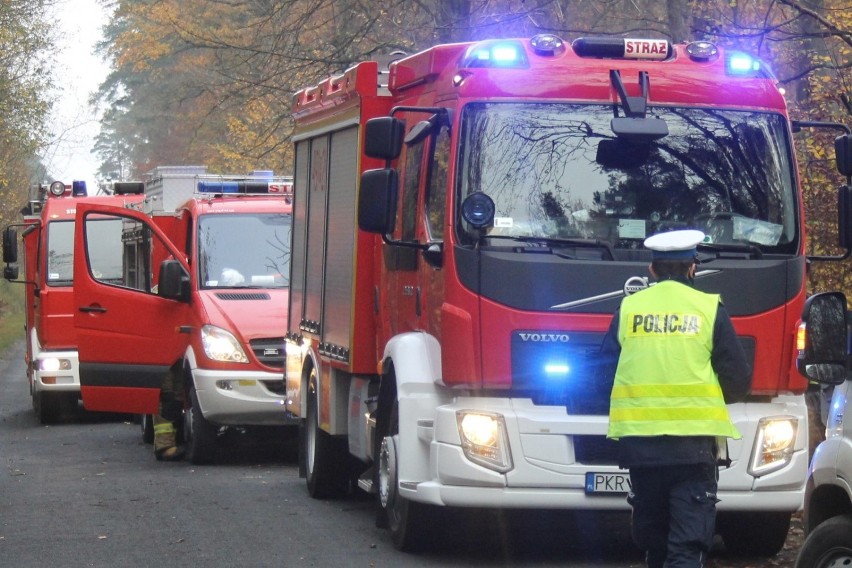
25	48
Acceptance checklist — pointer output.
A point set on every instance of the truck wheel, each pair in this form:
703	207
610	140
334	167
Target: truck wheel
753	534
146	422
199	433
325	461
409	522
829	545
47	406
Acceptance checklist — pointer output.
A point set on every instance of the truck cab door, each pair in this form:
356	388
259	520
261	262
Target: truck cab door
129	333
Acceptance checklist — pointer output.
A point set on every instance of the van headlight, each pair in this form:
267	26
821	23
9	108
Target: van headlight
221	345
773	445
484	439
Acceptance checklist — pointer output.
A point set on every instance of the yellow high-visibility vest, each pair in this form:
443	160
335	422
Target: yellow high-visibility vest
665	383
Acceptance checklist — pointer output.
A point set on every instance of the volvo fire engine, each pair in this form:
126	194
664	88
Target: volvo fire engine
47	232
466	224
197	295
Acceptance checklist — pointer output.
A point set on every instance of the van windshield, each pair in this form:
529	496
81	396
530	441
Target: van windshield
244	250
557	171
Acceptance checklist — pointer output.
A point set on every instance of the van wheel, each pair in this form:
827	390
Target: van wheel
409	522
829	545
199	433
325	459
753	534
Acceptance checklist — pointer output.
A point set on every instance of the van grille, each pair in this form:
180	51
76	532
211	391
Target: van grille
269	351
243	296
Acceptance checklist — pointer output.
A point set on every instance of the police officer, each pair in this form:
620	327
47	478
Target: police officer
678	364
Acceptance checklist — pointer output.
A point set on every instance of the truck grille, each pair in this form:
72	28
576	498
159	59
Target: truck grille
269	351
595	450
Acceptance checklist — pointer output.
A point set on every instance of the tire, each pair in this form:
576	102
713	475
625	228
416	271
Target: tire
48	407
325	460
829	545
146	422
408	522
753	534
199	434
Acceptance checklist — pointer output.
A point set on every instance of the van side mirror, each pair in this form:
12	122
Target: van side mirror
823	339
173	281
383	137
10	245
377	201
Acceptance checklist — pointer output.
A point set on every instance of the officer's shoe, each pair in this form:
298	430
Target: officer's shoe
172	453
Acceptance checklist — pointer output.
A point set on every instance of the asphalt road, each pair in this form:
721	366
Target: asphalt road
88	492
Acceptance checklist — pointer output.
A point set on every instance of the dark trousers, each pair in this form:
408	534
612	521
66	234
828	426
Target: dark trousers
674	513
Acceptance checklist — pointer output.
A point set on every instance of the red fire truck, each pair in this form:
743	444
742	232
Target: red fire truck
48	236
198	291
442	343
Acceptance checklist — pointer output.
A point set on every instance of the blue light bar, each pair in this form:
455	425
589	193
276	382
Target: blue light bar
503	54
243	186
742	64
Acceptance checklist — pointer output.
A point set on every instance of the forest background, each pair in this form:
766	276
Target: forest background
211	81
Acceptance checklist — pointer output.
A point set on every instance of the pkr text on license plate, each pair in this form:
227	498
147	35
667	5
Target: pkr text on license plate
613	483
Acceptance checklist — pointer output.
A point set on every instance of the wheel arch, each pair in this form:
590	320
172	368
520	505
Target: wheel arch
826	501
411	376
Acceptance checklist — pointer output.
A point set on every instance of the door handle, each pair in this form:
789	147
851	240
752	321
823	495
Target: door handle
90	309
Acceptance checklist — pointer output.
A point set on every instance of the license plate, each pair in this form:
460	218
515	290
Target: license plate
607	483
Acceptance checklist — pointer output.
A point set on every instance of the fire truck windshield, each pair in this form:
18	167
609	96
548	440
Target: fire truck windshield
244	250
557	171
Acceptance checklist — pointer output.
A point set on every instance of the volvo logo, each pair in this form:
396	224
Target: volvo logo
544	337
635	284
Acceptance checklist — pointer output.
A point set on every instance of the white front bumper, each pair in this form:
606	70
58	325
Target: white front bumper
546	473
234	398
64	380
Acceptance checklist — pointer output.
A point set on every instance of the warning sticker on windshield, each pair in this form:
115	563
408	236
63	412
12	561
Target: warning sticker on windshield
631	229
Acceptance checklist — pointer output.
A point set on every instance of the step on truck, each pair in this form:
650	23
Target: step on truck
198	292
825	358
47	235
465	224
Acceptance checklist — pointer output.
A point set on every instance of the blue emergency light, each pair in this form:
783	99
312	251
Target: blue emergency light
234	186
78	188
739	63
491	53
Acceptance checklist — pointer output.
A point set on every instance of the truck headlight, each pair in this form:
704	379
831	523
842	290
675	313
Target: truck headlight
221	345
773	445
484	439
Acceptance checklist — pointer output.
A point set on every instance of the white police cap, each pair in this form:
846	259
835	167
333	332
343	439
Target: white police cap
674	244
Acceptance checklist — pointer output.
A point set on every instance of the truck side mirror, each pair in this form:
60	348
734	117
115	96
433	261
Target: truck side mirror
10	273
843	154
383	137
377	201
173	281
823	339
844	216
10	245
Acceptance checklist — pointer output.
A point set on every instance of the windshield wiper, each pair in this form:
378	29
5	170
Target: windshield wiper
718	248
553	242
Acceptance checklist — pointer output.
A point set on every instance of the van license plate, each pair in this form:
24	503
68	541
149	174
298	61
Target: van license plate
607	483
